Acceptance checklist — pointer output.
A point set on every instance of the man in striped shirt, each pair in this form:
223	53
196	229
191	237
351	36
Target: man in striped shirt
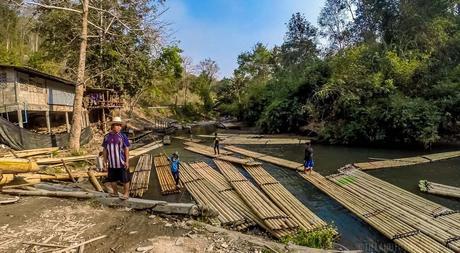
116	157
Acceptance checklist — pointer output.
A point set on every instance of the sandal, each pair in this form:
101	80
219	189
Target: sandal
122	197
113	195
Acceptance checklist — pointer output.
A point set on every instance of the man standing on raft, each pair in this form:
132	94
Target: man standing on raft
308	159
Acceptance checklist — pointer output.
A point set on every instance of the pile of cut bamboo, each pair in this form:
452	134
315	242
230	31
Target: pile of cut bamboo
256	139
204	150
274	218
404	225
205	194
439	189
406	161
285	200
28	153
141	176
164	174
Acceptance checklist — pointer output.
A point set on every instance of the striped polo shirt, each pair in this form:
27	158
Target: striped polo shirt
115	143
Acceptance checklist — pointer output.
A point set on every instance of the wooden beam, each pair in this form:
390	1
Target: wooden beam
67	121
48	121
20	122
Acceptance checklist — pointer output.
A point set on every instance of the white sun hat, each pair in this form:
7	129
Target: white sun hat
117	120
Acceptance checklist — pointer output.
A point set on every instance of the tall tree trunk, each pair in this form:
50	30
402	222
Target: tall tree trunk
75	130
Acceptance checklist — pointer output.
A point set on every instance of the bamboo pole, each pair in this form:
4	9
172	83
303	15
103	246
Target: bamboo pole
439	189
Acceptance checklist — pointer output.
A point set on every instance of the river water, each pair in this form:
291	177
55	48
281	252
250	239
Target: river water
354	233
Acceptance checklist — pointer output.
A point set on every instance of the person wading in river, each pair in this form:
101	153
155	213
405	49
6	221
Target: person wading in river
216	144
116	158
175	164
308	159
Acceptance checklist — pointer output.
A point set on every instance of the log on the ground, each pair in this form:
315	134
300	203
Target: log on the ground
94	181
17	165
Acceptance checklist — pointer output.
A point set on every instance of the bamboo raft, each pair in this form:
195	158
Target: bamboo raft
141	176
390	163
439	189
201	149
207	148
287	202
218	181
205	194
164	174
401	225
438	222
274	218
232	139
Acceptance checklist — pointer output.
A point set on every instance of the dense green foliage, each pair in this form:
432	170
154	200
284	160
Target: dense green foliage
389	73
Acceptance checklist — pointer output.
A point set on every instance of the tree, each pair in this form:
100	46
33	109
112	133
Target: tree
299	41
335	20
121	56
203	84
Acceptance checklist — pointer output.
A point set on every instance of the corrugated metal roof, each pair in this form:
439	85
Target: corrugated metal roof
39	73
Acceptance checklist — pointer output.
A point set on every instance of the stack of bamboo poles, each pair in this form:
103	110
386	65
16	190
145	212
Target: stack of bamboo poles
205	194
207	148
28	152
406	161
285	200
391	222
214	178
146	148
164	174
439	189
274	218
204	150
141	176
433	220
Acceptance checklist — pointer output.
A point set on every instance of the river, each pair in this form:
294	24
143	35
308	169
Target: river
354	233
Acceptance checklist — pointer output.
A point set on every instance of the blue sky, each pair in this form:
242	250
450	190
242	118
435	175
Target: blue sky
222	29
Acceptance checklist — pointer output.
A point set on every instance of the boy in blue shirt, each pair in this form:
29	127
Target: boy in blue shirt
175	164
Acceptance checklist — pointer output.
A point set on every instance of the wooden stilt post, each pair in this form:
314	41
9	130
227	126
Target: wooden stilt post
21	125
87	118
103	120
48	121
67	121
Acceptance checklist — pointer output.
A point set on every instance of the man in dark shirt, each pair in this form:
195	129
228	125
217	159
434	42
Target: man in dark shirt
308	159
216	144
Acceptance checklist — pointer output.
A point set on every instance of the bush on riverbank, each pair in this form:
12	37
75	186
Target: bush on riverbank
322	239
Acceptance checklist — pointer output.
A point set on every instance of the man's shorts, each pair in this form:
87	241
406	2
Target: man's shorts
118	175
309	164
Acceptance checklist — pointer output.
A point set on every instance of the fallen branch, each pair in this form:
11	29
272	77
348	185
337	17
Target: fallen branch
80	244
9	201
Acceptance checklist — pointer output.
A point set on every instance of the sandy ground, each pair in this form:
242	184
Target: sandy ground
68	222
